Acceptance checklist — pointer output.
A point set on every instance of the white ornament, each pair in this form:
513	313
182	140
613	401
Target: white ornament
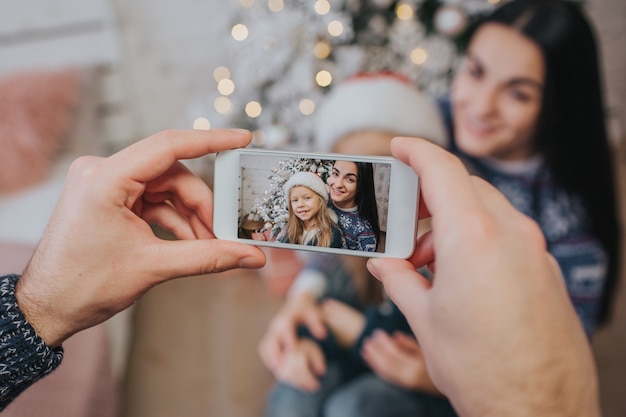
450	20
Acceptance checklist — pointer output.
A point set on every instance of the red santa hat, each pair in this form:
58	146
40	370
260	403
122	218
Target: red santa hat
379	101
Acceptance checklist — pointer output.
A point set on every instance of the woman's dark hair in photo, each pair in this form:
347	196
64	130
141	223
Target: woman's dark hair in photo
571	132
366	196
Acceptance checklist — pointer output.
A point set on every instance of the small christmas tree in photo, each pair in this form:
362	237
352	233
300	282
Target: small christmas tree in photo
272	208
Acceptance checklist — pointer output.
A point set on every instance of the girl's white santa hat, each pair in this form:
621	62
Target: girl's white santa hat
380	101
309	180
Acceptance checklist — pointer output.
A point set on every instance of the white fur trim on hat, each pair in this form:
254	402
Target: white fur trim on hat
309	180
383	102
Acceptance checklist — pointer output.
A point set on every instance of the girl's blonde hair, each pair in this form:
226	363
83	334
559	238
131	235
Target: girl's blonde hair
295	227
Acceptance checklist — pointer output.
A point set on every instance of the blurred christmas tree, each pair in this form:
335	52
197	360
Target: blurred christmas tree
272	209
286	54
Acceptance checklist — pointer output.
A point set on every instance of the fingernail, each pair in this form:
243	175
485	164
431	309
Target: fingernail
372	266
240	131
250	262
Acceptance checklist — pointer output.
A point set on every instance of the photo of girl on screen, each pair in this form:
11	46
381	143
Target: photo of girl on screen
310	221
356	198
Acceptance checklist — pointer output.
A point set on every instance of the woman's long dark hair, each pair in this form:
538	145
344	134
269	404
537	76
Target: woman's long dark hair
366	196
571	132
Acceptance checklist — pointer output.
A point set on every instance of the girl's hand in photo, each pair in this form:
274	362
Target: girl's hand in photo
265	236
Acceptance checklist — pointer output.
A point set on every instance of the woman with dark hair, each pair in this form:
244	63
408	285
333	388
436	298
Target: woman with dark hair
353	198
526	114
366	198
532	123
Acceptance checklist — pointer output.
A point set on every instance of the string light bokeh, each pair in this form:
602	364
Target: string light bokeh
285	56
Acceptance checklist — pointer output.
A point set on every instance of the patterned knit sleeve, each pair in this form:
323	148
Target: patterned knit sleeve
367	242
366	236
24	356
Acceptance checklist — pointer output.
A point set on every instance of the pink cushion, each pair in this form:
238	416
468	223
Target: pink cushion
36	114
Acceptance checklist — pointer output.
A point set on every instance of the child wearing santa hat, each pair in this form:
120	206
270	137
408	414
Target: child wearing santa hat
325	369
376	102
310	221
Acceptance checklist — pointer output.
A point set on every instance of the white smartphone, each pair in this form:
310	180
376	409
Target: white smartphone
336	203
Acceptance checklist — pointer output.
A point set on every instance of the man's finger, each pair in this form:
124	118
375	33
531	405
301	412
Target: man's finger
405	286
181	258
424	252
151	157
441	174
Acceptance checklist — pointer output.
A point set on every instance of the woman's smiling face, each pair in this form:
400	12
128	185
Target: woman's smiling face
343	184
497	94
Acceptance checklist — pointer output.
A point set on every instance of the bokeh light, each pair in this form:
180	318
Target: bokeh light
201	123
322	7
253	109
226	87
404	11
275	5
240	32
419	56
220	73
307	106
222	105
335	28
321	50
323	78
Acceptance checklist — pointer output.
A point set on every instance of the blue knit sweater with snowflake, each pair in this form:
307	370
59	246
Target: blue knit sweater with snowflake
24	356
357	231
531	188
566	228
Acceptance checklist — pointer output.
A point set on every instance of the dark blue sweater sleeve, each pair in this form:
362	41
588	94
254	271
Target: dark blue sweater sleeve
24	356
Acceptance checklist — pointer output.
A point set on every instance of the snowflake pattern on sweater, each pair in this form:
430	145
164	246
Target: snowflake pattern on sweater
560	215
357	232
565	225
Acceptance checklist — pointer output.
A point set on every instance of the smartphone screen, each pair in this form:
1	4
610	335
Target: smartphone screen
360	205
356	195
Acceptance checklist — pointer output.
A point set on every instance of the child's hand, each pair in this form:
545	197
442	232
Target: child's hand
398	359
281	335
302	366
345	322
266	235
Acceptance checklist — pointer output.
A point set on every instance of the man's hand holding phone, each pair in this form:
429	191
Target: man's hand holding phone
497	308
